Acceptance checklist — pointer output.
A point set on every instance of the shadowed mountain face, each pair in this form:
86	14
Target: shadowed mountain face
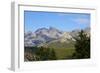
45	36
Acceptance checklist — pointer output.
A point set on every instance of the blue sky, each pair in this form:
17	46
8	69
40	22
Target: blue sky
62	21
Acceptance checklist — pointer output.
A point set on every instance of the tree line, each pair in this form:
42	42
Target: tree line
40	53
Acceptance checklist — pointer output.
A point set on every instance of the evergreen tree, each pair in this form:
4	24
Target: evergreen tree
52	55
82	46
45	53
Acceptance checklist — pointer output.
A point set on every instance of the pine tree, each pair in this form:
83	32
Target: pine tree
82	46
52	55
46	53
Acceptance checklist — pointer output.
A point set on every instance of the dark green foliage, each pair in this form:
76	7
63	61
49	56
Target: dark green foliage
39	53
29	54
82	46
46	53
52	55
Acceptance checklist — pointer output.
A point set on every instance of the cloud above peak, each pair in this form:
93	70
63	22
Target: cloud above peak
84	21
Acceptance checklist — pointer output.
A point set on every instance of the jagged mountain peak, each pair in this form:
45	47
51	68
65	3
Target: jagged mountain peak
53	28
47	29
41	29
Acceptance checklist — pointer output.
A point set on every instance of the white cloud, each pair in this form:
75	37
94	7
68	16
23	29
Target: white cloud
81	20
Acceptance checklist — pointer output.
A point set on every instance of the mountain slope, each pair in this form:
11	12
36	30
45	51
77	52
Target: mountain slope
44	36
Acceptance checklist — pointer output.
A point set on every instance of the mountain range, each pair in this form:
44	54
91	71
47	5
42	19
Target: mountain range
47	36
